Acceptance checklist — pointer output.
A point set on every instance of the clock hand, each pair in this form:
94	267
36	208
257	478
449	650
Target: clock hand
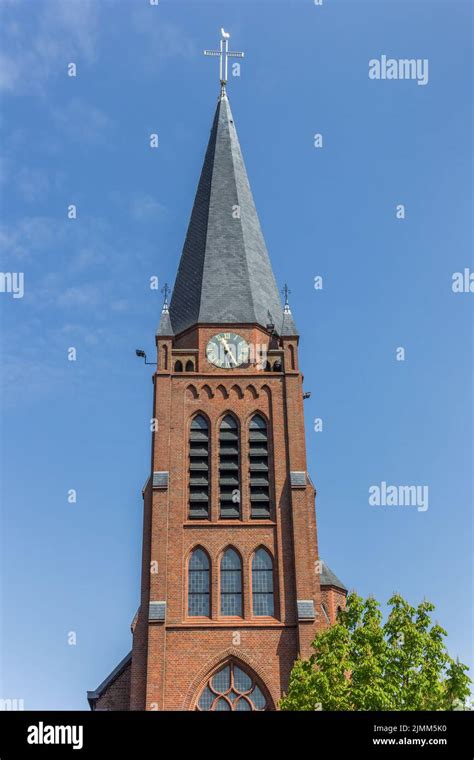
228	350
232	357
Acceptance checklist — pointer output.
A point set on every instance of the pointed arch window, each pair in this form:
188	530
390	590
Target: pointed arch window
199	584
232	688
259	468
262	584
231	584
229	468
199	468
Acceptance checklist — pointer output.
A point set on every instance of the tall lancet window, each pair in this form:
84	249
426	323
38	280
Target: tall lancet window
199	468
229	481
231	584
262	584
198	584
259	468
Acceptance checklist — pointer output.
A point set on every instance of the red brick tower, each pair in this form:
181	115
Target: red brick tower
232	586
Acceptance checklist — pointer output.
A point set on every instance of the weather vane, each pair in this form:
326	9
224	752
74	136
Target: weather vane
286	292
224	53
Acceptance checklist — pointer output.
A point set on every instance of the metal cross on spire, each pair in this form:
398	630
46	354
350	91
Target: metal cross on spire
165	290
224	53
286	292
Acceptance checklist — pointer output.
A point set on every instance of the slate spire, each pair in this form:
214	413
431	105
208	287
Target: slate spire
224	275
288	327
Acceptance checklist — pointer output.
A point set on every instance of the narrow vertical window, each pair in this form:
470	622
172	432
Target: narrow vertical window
231	584
199	468
229	483
262	584
259	468
198	584
292	357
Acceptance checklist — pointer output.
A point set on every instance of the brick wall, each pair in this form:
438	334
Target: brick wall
172	660
117	695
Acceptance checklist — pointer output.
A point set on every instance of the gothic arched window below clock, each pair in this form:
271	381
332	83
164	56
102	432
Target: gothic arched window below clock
233	689
189	366
178	366
229	468
199	468
259	472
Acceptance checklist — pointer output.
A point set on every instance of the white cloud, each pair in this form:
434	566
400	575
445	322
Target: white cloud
82	122
9	73
160	40
39	39
34	238
145	207
22	240
33	184
80	295
120	306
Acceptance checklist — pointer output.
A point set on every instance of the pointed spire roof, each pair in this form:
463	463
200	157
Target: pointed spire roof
165	328
328	578
224	275
288	327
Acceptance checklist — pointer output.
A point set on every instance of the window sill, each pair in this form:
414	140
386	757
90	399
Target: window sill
235	522
237	622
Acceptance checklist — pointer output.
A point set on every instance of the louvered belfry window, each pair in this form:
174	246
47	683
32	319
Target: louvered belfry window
229	482
199	468
259	468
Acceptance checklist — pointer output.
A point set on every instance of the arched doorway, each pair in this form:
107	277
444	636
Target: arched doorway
233	687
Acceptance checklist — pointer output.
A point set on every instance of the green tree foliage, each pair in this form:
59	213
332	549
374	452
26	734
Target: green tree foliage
361	663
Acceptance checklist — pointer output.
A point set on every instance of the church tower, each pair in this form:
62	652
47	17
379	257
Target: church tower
233	589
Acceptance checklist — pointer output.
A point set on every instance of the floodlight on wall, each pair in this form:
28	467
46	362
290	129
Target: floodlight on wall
142	355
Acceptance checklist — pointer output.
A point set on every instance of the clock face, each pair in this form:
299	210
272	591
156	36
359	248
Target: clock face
227	350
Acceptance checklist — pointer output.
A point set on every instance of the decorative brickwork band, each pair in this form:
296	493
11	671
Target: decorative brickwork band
160	480
157	612
298	479
305	609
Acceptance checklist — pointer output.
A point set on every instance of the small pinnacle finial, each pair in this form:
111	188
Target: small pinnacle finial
286	292
224	53
165	290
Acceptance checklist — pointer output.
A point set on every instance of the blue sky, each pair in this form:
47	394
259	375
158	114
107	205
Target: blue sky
84	425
